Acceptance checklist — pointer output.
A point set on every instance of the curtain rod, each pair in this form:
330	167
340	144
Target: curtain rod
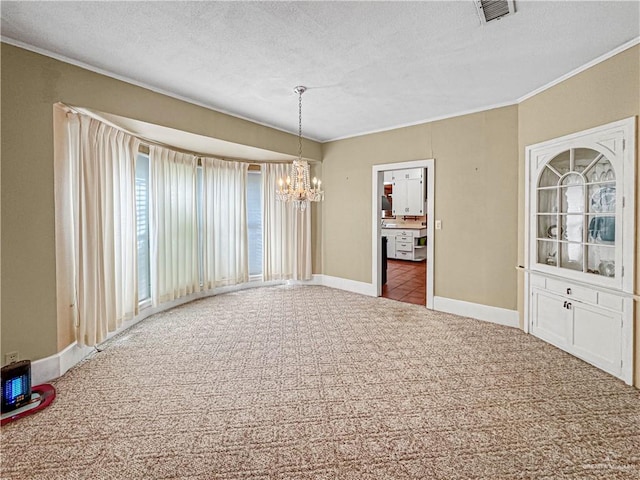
148	142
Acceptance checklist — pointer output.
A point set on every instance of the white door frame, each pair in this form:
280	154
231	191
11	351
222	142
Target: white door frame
376	227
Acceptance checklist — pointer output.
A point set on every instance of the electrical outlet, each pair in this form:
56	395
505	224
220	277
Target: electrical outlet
438	224
11	357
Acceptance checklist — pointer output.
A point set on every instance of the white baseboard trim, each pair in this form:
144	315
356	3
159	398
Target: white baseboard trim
54	366
349	285
316	279
51	367
498	315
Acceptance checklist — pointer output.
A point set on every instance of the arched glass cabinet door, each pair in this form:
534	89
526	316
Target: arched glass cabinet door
576	212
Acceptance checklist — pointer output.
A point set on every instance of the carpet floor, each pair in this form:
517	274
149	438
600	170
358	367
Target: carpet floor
309	382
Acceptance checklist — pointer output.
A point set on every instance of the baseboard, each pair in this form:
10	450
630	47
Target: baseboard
316	279
54	366
349	285
501	316
51	367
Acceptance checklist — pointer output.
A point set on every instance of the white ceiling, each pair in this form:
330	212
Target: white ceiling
369	66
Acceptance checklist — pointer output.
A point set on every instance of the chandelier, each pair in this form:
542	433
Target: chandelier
296	187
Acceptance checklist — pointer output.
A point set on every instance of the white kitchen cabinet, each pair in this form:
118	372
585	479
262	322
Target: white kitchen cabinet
409	192
391	242
580	219
404	244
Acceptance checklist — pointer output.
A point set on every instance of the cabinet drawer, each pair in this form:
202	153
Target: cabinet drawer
404	246
607	300
571	290
404	238
404	255
578	292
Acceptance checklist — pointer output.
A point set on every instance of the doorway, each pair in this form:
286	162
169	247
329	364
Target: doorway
411	281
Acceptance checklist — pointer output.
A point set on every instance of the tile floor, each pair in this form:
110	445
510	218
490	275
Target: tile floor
406	281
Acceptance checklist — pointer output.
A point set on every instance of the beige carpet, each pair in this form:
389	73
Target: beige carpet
312	382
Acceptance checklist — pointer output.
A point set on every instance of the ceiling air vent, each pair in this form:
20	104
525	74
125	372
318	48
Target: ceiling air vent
494	9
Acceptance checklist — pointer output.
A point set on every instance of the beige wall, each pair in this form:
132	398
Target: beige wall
347	204
605	93
31	84
476	192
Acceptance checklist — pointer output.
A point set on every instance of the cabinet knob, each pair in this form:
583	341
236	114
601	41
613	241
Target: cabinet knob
568	291
565	304
568	305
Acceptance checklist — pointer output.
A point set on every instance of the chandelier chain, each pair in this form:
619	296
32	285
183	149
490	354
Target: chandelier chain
300	125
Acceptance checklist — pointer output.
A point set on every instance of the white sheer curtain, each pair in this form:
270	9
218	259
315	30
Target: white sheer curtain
95	224
172	224
286	242
302	242
224	222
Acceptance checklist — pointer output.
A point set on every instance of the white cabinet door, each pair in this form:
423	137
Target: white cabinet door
581	191
400	198
415	197
597	336
551	320
591	333
391	246
409	192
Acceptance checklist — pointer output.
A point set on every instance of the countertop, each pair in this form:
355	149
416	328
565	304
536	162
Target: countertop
403	227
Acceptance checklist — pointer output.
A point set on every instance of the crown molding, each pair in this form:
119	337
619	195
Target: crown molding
625	46
122	78
427	120
600	59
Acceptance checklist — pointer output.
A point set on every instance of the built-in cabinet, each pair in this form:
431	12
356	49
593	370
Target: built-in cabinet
581	246
586	322
407	243
409	192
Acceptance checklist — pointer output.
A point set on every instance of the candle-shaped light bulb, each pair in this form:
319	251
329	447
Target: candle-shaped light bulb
288	180
319	183
315	181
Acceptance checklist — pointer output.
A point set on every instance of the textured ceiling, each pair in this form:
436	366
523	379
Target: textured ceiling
369	66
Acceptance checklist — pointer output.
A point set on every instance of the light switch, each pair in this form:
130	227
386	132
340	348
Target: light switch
438	224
